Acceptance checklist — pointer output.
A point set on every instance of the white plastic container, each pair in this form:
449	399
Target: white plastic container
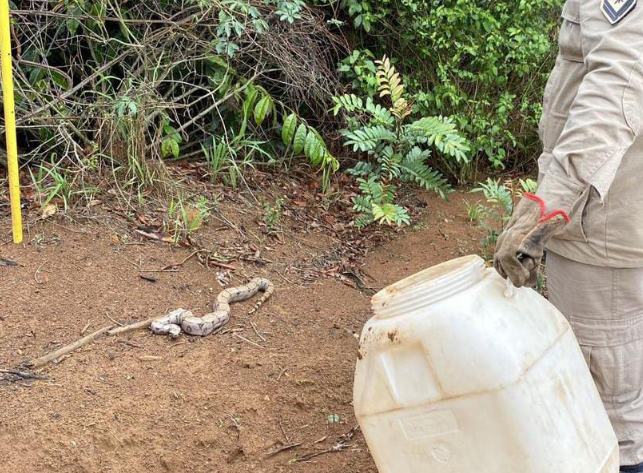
454	376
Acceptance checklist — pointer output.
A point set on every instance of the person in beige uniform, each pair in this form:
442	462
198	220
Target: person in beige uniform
588	210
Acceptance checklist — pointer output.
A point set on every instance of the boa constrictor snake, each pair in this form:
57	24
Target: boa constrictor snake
181	320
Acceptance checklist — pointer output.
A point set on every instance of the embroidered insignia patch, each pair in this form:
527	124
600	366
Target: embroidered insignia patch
616	10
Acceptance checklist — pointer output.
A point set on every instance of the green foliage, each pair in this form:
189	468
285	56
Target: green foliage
133	85
396	151
233	19
360	69
377	204
290	10
296	134
492	215
121	88
171	143
185	219
288	129
300	138
484	64
52	182
221	157
272	214
263	109
56	185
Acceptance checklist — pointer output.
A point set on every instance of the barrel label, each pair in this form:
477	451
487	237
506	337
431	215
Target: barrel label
429	425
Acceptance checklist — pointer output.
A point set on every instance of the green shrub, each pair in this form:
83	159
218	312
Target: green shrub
482	63
396	148
134	84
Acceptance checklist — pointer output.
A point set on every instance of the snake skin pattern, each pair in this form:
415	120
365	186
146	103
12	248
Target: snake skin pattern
181	320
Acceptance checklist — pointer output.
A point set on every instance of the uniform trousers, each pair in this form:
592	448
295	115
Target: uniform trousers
605	309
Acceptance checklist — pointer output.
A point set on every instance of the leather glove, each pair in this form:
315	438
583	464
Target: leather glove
520	248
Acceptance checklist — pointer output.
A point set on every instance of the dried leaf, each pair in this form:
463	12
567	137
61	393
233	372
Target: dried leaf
49	210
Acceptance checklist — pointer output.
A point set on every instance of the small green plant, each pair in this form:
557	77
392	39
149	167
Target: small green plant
334	418
221	158
170	146
377	204
272	214
54	184
217	157
184	218
495	213
51	182
395	151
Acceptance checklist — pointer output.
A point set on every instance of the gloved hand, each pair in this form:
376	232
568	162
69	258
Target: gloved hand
520	248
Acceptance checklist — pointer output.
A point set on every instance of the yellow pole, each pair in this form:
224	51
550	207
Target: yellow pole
10	121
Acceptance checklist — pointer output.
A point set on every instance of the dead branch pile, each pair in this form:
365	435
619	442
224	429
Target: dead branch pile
105	81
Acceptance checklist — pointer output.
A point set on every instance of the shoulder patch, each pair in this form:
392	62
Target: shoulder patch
616	10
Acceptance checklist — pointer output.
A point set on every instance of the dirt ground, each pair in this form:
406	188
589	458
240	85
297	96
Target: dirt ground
280	379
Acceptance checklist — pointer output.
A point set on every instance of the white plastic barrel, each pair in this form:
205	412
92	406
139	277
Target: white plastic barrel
454	376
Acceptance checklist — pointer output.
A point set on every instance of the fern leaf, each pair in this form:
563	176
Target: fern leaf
364	220
348	102
362	169
389	80
402	108
390	162
391	214
414	169
433	127
361	204
388	195
368	138
370	187
440	132
380	114
417	155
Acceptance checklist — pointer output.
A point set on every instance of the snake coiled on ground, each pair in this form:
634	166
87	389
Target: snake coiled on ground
181	320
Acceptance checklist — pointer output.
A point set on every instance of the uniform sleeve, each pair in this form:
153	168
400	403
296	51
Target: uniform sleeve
607	113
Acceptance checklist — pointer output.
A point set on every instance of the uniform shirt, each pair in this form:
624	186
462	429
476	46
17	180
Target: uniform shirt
592	160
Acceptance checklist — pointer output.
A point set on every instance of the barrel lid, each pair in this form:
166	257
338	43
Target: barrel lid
428	287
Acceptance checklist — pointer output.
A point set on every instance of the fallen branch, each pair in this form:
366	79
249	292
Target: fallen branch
130	327
248	341
221	265
185	260
341	445
111	330
43	360
151	236
283	449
